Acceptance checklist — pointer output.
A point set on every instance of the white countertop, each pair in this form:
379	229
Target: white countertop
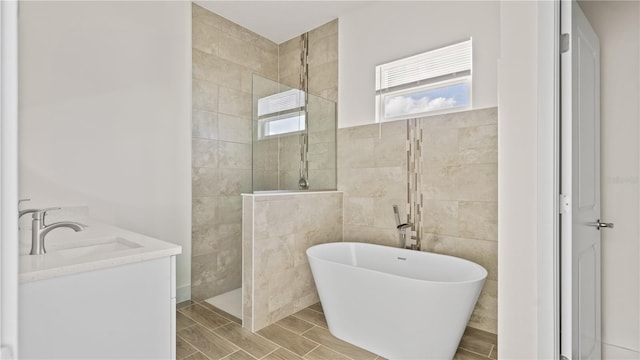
98	246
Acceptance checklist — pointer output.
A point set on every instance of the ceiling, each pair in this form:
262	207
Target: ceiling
280	21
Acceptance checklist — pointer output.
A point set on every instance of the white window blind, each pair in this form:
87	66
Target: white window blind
437	81
284	101
282	113
449	60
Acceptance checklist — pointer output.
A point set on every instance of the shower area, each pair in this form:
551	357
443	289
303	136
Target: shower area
293	150
264	123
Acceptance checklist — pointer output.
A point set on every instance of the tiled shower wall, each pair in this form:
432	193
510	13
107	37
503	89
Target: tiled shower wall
225	56
459	185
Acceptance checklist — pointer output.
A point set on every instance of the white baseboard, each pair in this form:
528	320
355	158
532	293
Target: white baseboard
183	293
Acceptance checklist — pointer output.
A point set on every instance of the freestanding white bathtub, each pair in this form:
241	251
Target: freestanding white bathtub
397	303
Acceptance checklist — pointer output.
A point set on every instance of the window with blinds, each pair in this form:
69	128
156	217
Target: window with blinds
281	114
436	81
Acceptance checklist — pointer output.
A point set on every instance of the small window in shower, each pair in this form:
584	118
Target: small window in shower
281	113
437	81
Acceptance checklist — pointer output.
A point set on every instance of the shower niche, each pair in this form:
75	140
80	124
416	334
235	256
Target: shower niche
294	139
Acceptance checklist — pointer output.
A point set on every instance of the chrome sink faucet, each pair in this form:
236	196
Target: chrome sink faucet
39	229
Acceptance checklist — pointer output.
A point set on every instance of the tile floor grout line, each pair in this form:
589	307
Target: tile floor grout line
493	346
193	346
310	351
224	316
204	325
329	347
273	342
214	333
265	355
306	331
241	349
252	333
197	352
474	352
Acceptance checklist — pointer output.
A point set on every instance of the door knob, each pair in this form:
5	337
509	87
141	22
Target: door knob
599	224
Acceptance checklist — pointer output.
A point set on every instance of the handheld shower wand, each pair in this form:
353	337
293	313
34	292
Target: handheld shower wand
397	214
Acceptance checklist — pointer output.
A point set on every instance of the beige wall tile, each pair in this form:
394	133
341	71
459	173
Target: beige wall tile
228	209
234	129
204	37
204	125
265	154
473	182
384	216
282	230
323	50
247	262
225	56
482	252
323	76
204	182
359	211
485	316
204	153
478	137
233	155
373	235
233	181
465	118
214	69
204	212
441	217
214	274
380	182
479	220
354	153
235	103
328	29
204	95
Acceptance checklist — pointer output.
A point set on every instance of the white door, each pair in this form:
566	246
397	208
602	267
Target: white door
580	186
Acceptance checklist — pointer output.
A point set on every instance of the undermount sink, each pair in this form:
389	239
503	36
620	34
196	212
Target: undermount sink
96	247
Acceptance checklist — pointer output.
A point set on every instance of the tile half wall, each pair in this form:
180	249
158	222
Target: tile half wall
277	230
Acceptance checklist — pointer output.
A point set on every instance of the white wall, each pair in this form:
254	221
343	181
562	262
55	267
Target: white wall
385	31
618	27
517	184
105	114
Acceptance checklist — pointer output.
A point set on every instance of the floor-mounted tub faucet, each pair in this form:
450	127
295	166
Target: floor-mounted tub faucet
39	230
405	232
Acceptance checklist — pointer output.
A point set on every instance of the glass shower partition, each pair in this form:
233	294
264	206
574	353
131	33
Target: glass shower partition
291	143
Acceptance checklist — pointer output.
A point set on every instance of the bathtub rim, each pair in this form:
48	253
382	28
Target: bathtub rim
426	253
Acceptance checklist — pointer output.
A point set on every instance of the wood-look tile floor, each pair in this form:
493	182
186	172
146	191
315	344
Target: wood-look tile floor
207	333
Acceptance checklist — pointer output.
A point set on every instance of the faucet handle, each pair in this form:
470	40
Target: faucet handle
22	200
40	214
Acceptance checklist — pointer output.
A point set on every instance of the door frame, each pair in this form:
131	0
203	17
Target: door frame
548	151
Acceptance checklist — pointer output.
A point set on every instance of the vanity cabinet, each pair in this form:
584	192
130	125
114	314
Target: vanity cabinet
119	312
